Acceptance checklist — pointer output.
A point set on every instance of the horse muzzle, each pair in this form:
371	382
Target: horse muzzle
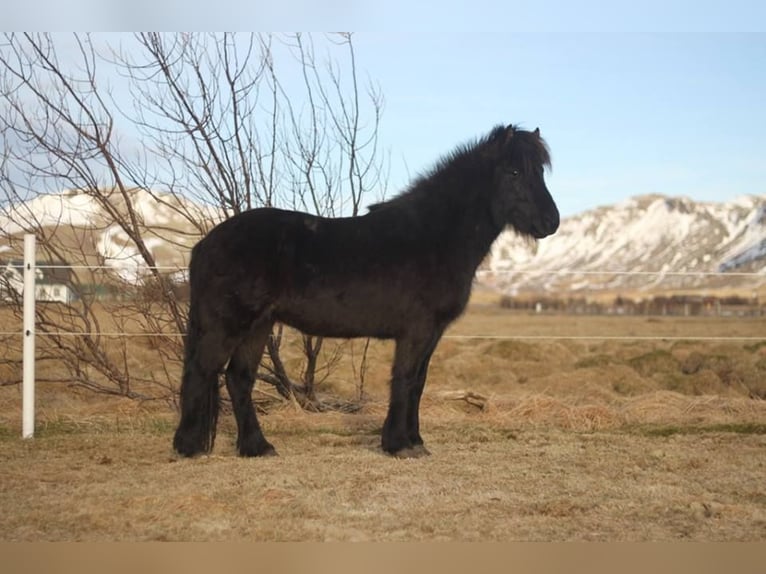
548	225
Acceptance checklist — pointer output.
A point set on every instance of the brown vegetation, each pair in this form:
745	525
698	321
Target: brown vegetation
589	439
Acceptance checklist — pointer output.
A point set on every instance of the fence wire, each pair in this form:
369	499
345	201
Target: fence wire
479	273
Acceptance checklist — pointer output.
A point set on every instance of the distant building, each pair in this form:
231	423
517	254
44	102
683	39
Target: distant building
53	281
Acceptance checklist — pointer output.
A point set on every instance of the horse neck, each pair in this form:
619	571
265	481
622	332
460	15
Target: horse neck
465	224
474	234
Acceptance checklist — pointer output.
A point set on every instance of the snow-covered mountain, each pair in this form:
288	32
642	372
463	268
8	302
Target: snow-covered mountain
646	244
85	233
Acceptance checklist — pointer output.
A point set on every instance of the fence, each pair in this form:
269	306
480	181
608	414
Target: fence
30	269
28	384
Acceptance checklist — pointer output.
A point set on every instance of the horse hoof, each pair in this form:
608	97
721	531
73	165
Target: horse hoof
259	450
188	448
418	451
271	451
421	450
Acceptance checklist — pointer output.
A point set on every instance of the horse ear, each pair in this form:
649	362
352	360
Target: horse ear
509	131
537	133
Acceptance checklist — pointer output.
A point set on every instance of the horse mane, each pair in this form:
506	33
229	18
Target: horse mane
470	162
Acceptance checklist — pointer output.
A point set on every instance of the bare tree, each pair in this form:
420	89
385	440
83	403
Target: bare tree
58	131
213	128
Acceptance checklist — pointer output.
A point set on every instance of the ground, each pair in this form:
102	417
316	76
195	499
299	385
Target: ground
572	440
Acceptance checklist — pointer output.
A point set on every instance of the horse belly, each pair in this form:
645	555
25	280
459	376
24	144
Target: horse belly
346	313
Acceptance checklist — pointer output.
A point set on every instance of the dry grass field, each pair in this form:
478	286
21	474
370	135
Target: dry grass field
657	437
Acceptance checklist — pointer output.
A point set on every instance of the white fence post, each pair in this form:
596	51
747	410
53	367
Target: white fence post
28	392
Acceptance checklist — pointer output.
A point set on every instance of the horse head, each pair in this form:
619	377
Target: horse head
520	197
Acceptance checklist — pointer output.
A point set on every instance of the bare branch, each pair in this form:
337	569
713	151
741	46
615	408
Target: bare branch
199	126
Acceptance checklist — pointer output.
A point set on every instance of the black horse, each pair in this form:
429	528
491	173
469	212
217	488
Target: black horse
403	271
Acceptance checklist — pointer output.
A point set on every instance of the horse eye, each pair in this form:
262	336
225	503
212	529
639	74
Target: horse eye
515	172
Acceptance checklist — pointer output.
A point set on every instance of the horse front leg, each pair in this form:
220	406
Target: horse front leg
401	432
413	410
416	392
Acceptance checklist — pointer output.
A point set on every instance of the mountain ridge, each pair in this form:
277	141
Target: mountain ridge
643	244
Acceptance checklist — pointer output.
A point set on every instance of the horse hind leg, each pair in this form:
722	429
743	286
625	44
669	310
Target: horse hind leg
240	378
205	357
